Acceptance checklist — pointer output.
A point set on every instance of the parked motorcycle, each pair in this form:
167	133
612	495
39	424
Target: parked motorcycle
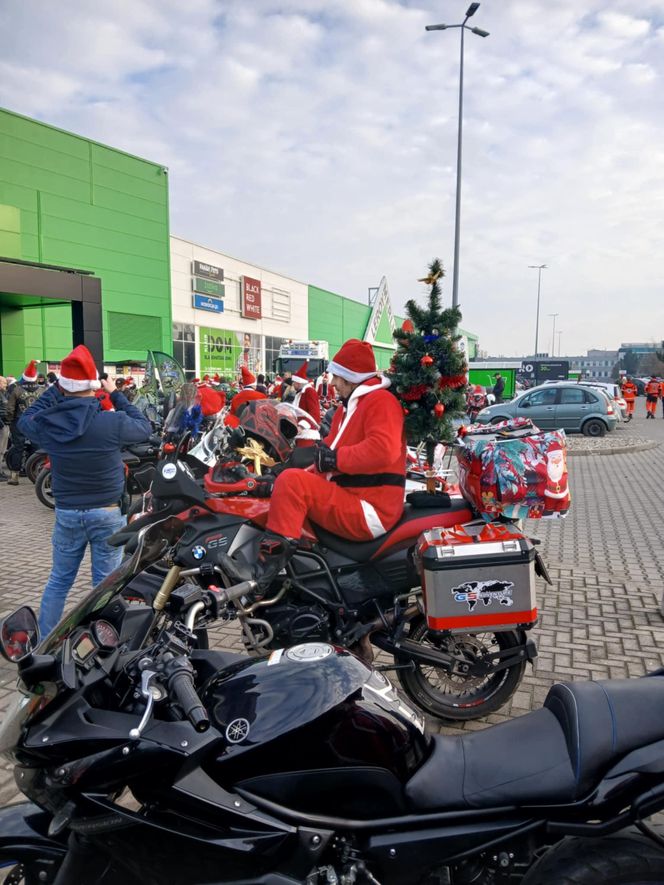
147	760
355	594
140	462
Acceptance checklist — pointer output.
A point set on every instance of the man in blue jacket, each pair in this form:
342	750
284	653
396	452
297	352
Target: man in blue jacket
84	444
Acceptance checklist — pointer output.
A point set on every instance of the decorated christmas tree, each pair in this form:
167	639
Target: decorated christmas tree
428	369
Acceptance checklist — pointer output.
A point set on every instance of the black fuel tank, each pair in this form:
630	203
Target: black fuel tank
307	708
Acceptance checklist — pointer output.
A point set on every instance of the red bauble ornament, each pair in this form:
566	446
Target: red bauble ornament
408	326
439	410
406	411
426	361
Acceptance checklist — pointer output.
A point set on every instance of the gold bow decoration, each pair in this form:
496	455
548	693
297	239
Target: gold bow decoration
431	278
255	452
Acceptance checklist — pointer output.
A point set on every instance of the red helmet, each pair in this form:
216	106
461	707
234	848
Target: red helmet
262	420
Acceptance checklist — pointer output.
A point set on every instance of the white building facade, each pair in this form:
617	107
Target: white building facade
228	313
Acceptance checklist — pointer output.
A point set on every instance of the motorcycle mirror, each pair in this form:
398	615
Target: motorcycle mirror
19	634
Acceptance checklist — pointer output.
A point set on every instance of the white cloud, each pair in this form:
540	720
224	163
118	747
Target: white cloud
320	138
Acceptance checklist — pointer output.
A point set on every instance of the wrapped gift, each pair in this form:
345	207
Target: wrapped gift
513	469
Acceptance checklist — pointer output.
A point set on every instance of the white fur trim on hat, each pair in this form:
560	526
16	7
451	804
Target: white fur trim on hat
77	386
353	377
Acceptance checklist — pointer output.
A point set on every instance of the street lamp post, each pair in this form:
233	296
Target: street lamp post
559	333
472	9
553	335
539	268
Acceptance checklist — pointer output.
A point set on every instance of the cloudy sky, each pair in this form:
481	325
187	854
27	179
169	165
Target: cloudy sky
318	138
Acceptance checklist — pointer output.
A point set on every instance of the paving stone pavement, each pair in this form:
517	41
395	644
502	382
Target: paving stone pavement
600	619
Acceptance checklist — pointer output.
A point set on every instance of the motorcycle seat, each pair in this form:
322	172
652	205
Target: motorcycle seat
414	520
553	755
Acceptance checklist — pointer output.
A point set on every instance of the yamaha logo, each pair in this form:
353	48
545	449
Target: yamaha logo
198	552
237	731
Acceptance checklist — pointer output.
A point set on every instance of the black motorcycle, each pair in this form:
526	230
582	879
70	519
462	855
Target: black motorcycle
145	760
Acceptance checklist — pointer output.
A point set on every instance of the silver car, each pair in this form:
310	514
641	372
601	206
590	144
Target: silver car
565	405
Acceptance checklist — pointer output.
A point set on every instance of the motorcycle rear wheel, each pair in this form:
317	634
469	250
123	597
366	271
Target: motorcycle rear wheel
454	698
35	464
624	859
43	488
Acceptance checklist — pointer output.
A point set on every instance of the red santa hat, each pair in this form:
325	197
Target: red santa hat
30	373
217	378
355	362
248	378
78	371
300	377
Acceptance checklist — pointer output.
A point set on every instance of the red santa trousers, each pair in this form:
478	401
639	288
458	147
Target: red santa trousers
299	494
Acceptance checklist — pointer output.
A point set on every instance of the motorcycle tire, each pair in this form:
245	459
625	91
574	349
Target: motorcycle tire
623	859
34	465
459	698
43	488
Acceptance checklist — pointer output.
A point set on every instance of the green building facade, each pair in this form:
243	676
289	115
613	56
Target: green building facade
66	201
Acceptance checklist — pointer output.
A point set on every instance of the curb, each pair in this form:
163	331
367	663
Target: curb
615	450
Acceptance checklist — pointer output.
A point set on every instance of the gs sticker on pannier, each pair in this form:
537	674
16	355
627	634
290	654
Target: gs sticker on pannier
513	469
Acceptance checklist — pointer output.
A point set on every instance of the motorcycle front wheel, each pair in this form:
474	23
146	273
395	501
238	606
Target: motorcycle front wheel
458	698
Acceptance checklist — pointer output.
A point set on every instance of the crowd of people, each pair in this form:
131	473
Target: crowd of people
83	420
653	390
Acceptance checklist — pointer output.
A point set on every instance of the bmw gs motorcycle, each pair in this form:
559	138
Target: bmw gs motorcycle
355	594
145	760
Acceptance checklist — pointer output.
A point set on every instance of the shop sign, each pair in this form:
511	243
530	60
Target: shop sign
208	287
209	271
206	302
251	298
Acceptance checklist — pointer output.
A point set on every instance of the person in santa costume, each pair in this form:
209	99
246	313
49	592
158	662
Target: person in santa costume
325	388
355	488
210	400
84	444
23	394
306	397
246	395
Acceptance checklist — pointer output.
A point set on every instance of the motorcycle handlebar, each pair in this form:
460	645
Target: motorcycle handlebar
182	686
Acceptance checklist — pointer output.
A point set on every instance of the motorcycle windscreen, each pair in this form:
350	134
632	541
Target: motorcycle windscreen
153	542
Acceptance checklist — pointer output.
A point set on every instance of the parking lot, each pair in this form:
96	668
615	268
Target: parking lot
600	619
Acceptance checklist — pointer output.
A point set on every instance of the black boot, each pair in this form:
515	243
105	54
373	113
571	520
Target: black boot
274	552
273	555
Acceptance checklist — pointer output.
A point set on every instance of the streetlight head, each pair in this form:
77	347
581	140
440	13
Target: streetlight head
435	27
480	32
472	9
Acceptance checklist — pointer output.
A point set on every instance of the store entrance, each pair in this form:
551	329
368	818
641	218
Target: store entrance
25	287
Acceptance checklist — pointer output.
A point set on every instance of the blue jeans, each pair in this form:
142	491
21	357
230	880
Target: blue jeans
73	531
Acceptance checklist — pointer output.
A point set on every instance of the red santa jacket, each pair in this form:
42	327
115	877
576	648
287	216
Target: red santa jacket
368	436
307	400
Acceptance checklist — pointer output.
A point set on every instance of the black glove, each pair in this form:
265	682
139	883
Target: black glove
325	458
264	486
